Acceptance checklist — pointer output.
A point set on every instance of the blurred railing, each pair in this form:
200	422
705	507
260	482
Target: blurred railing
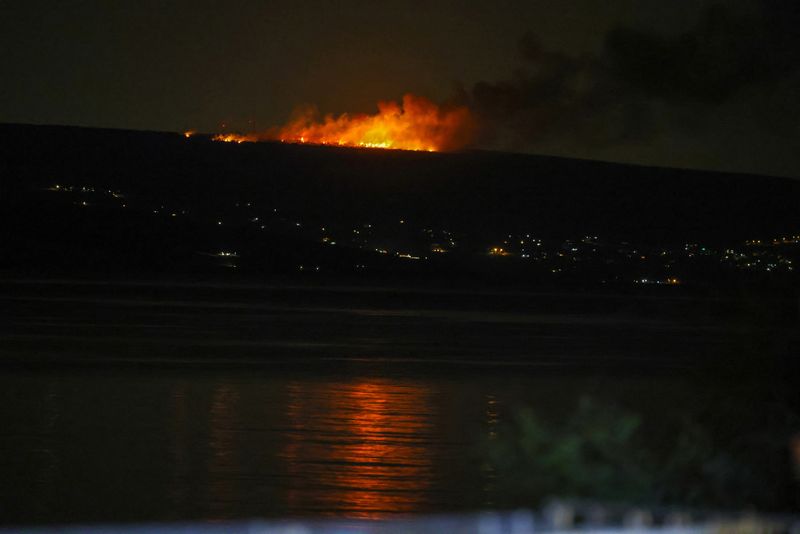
557	516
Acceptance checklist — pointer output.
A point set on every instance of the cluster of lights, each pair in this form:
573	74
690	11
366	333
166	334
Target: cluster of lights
760	258
649	281
498	251
785	240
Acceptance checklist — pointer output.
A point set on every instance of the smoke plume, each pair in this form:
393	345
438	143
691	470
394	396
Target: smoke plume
641	83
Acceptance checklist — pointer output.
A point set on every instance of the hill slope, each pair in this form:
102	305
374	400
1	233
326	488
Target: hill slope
478	196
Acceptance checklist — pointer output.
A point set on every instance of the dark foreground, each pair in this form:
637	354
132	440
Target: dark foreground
141	402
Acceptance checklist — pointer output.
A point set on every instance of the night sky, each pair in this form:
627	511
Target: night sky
687	83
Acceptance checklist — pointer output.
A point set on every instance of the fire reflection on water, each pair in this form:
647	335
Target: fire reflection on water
210	446
223	462
361	448
178	437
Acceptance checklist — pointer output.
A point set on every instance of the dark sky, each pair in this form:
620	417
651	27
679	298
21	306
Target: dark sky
688	83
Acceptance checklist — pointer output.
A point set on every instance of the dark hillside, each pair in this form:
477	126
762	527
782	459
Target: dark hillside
471	190
100	201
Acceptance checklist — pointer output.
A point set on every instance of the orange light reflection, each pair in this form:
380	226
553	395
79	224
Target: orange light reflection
363	445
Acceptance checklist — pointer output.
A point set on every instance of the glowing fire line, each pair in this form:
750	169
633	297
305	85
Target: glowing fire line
414	124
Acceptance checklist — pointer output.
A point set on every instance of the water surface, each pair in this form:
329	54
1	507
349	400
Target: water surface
134	404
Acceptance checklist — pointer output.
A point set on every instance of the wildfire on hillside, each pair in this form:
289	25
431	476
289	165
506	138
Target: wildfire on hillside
416	123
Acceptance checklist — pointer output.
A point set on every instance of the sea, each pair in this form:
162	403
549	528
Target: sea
140	401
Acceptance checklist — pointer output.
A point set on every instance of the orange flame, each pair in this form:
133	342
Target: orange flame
235	138
415	124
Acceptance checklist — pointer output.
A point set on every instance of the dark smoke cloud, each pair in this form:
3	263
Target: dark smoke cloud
725	52
620	95
560	95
